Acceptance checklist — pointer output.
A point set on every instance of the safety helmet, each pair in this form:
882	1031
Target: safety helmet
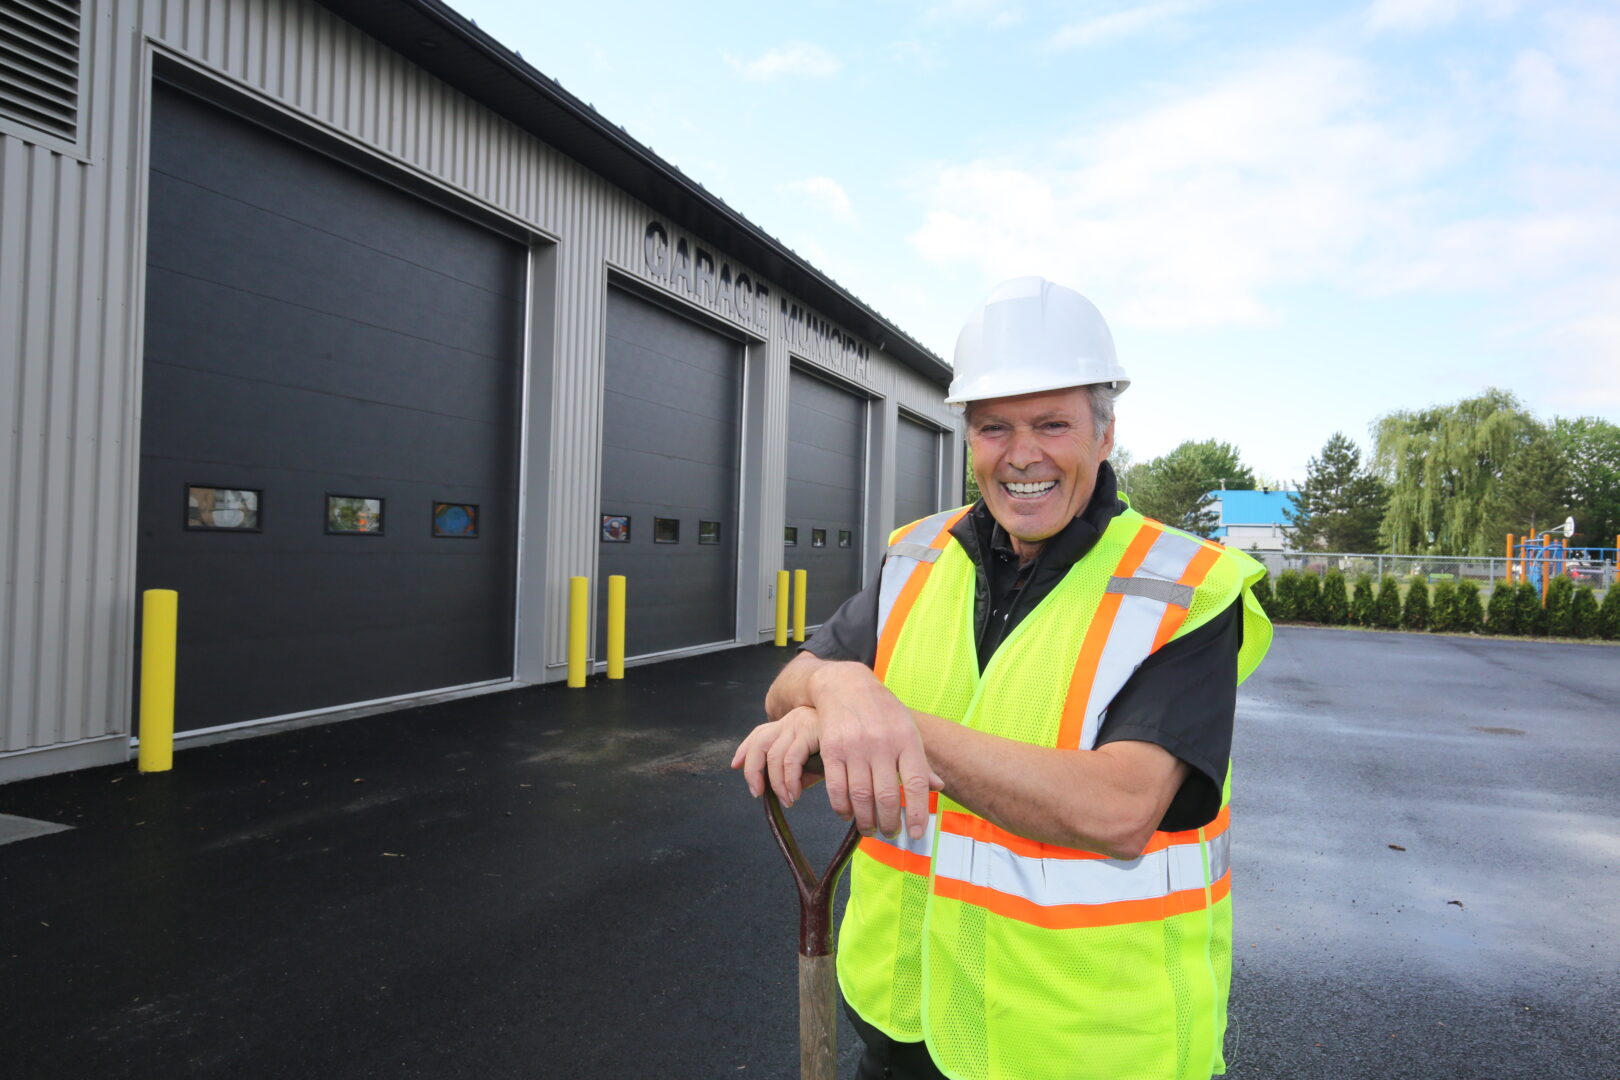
1029	336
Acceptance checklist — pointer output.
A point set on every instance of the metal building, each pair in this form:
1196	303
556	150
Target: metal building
365	336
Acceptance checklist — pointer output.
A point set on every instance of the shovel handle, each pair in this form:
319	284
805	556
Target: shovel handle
818	984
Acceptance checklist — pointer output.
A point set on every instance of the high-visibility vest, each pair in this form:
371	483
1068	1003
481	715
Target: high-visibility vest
1020	960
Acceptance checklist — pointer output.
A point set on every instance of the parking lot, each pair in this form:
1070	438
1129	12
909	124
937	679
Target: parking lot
570	883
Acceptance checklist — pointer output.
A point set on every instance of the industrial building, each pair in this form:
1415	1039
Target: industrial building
364	336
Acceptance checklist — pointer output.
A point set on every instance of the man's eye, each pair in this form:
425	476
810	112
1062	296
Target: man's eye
991	429
1055	425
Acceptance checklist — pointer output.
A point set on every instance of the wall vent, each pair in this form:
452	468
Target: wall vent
39	65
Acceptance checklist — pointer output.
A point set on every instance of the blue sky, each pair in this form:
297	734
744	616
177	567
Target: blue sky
1296	216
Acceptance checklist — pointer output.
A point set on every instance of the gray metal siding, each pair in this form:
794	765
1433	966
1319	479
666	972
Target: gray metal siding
72	281
826	437
916	471
672	410
313	331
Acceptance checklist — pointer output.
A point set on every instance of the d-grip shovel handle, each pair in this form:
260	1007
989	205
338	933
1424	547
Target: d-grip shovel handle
818	987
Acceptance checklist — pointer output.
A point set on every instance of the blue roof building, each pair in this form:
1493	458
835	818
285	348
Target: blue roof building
1253	520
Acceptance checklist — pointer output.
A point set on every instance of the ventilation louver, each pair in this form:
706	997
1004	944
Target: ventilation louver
39	65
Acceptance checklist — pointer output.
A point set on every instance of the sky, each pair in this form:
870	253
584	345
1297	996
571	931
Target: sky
1296	216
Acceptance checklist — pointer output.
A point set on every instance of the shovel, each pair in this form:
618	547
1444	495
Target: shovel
818	986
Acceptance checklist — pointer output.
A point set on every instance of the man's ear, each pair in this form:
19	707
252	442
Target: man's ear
1108	441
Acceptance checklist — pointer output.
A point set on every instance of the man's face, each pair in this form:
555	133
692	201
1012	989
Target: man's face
1035	457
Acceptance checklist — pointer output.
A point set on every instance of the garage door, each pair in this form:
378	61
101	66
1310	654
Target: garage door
671	415
916	471
330	424
825	470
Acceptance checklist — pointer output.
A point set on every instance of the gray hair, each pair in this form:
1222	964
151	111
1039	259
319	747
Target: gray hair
1102	397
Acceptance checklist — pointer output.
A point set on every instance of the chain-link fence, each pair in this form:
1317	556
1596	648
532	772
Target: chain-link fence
1484	569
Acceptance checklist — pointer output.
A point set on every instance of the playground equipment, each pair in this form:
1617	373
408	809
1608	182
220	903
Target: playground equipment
1539	559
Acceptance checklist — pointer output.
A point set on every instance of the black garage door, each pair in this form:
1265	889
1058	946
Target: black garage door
671	415
825	467
916	472
316	337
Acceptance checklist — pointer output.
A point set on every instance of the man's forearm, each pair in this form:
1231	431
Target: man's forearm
1108	800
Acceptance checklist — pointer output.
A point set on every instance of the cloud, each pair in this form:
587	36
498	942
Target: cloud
1188	213
826	194
795	58
1418	15
1137	19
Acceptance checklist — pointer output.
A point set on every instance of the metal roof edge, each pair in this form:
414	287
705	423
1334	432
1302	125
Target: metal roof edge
437	38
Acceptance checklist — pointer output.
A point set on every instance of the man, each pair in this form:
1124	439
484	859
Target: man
1040	688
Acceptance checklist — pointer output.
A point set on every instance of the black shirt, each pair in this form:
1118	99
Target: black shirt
1182	697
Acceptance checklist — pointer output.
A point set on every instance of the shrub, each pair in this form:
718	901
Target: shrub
1608	620
1532	618
1262	593
1415	612
1583	613
1334	606
1283	596
1467	615
1308	598
1387	608
1560	590
1361	602
1502	614
1443	607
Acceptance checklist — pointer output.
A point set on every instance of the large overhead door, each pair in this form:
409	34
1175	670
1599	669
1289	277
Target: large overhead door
916	471
330	426
671	424
826	462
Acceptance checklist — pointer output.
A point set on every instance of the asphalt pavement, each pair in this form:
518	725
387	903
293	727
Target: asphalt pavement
570	883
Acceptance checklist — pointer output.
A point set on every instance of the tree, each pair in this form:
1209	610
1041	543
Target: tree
1532	493
1443	606
1176	488
1387	608
1341	503
1608	620
1262	593
1467	616
1560	591
1415	612
1334	608
1531	616
1283	605
1443	464
1308	598
1502	613
1592	449
1583	613
1361	602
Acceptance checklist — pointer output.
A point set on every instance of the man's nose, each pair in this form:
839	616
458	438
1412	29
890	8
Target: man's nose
1024	449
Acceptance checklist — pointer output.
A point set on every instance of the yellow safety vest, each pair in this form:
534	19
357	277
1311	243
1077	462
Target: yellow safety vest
1019	960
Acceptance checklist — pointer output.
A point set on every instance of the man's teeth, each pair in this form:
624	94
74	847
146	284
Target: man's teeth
1031	489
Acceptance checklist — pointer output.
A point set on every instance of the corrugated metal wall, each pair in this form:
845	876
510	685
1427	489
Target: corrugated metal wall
71	248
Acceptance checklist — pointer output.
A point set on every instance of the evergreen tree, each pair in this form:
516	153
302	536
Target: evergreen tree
1308	599
1361	602
1262	593
1387	608
1415	612
1608	623
1283	596
1560	591
1466	615
1533	491
1443	464
1340	505
1443	606
1583	613
1502	614
1334	607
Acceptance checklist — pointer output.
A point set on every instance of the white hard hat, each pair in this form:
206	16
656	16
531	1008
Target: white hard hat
1029	336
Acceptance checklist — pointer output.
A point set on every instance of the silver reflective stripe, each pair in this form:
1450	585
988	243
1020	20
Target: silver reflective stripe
923	846
1166	592
908	550
1136	623
1051	882
898	568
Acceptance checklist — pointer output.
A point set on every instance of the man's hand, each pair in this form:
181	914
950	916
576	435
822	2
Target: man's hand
869	744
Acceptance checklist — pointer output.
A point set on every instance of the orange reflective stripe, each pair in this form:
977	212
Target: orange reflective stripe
894	858
1091	650
908	597
977	828
1194	575
1079	916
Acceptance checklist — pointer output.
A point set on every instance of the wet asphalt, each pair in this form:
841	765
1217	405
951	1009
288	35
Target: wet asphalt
555	883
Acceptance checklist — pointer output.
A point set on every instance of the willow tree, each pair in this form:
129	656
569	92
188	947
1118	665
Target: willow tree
1443	464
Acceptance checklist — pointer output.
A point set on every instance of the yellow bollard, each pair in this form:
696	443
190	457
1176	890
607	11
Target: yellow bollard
781	607
159	622
615	635
579	596
801	585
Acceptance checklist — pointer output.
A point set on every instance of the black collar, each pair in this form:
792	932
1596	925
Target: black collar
981	534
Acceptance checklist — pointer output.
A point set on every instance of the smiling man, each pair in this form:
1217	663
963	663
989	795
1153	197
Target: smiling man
1029	715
